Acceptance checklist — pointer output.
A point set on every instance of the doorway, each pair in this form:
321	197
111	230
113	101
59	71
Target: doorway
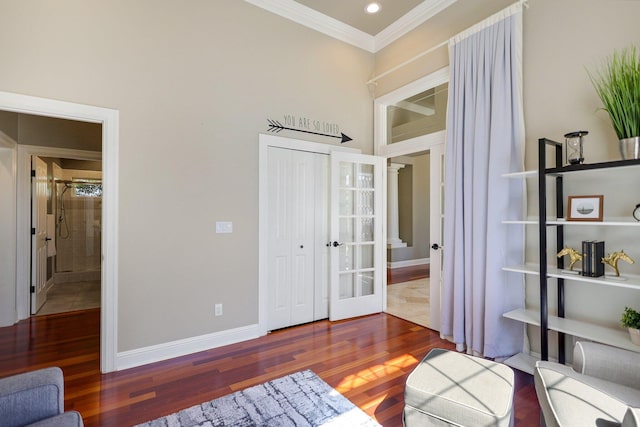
408	259
18	303
410	122
73	204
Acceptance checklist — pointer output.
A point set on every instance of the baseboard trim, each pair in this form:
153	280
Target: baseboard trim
156	353
408	263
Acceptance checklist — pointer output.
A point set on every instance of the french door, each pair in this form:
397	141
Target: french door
356	246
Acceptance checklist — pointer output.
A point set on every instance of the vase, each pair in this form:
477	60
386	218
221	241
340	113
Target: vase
630	148
635	335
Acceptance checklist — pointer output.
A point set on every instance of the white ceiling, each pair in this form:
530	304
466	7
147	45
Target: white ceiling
346	20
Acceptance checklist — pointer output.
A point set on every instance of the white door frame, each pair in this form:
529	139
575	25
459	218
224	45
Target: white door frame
266	141
413	145
110	141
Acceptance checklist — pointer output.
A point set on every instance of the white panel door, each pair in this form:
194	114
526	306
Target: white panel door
436	222
291	247
357	250
39	233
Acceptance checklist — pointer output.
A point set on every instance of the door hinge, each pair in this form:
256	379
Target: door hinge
33	173
33	231
33	289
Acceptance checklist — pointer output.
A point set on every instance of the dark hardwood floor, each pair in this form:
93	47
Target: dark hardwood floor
406	274
366	359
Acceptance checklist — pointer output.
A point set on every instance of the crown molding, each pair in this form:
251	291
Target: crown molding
416	16
313	19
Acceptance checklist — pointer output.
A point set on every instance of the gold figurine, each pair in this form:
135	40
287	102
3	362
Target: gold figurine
574	255
613	258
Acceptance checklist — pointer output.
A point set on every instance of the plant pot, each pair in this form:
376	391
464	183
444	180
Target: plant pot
635	335
630	148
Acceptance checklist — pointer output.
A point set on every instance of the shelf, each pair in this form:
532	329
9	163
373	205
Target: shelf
608	222
592	166
526	269
521	222
629	281
524	174
612	336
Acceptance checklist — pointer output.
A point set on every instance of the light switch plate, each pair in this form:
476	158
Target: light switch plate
224	227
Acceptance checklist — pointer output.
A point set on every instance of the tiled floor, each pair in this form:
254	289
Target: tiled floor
410	301
72	296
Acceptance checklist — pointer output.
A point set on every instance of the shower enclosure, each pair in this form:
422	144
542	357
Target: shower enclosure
78	217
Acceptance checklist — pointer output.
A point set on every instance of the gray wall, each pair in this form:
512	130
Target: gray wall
195	83
413	209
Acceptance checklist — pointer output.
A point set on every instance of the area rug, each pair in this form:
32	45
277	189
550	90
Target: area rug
299	399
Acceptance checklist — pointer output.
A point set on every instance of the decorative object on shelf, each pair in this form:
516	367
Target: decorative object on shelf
618	86
585	208
574	256
613	258
636	212
631	320
573	154
592	253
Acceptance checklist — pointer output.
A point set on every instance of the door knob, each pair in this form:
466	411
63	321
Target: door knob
436	246
336	244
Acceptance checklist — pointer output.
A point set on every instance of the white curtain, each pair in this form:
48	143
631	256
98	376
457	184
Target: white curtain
485	139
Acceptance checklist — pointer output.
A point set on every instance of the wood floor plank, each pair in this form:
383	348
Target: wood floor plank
367	359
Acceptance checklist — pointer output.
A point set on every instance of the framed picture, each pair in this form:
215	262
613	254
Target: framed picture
585	208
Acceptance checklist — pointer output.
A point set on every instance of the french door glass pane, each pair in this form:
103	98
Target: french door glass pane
346	229
356	229
347	289
366	256
366	283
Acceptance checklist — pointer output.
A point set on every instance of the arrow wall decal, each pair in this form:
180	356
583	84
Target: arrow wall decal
276	126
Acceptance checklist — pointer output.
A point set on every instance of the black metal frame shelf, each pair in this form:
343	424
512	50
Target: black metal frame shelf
557	172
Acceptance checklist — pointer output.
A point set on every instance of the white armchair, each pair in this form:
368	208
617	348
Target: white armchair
601	390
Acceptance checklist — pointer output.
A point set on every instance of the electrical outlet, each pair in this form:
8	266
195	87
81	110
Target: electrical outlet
218	310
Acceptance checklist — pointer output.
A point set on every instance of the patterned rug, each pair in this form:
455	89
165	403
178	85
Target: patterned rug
299	399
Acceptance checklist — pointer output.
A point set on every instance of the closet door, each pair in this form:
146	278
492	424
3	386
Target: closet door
292	243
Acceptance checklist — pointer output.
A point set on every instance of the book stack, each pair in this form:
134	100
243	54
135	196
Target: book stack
592	254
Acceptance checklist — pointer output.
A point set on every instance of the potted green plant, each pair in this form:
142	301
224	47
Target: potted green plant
631	320
618	86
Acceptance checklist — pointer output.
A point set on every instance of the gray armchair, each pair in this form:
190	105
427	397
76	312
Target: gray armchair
601	390
35	399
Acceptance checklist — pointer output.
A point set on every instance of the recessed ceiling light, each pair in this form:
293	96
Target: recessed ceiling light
372	8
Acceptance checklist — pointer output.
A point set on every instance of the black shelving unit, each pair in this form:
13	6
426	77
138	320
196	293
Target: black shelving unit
557	171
